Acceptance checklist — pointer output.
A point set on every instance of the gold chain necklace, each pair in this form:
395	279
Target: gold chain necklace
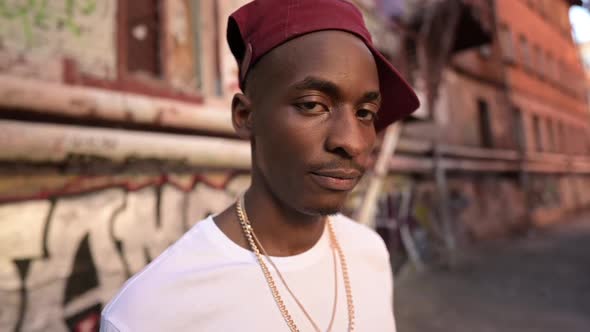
255	245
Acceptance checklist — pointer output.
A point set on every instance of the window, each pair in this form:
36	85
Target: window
485	126
550	68
541	63
519	130
142	37
525	55
551	134
537	133
560	73
506	43
556	70
558	136
537	60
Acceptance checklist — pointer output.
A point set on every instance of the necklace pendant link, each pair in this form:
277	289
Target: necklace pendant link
257	248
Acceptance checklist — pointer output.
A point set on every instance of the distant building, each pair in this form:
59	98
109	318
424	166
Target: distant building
525	91
585	53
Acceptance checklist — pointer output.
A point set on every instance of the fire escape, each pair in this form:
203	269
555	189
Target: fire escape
427	34
432	32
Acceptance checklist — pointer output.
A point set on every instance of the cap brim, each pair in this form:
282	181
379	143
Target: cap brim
398	99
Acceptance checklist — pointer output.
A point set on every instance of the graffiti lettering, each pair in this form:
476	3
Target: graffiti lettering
61	261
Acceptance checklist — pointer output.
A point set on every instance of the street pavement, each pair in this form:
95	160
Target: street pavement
536	283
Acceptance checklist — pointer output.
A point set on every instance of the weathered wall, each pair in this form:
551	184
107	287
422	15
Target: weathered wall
486	206
554	196
36	36
547	69
62	257
463	128
179	64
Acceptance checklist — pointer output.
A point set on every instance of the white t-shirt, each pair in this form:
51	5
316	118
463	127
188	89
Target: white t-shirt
206	282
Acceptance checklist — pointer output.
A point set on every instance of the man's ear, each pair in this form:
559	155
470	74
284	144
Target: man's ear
241	115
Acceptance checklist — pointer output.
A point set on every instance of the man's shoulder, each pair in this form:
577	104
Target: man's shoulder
149	289
359	236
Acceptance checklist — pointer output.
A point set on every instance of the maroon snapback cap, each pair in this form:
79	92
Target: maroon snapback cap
261	25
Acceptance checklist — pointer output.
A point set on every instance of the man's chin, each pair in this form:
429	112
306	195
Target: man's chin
326	209
328	212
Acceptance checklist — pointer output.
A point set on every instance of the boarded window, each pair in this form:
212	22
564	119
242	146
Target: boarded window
551	134
557	132
519	135
536	60
143	36
506	43
549	63
525	53
541	63
485	125
537	133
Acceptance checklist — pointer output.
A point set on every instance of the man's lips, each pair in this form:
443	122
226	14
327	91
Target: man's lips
336	179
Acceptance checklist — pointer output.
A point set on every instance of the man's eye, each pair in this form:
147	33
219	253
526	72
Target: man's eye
312	107
366	115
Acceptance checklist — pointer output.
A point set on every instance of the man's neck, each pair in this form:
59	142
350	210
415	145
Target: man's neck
281	230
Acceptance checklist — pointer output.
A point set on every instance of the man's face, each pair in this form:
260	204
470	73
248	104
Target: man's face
314	102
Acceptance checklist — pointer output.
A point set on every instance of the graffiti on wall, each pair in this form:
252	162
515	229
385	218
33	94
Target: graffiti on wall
63	258
36	35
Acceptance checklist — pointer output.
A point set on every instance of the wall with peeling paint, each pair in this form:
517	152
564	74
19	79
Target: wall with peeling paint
35	37
63	257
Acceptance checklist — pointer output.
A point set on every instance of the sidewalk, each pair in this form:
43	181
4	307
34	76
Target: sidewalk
534	284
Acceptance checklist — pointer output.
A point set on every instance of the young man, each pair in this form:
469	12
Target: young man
315	92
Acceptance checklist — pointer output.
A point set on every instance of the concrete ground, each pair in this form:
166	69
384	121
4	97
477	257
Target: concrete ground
533	284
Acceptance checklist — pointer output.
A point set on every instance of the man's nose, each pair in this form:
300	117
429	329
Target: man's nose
348	135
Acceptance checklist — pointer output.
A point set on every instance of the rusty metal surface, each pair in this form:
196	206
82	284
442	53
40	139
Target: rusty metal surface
92	103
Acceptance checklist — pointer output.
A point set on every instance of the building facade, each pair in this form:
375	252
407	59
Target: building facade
519	105
115	138
585	53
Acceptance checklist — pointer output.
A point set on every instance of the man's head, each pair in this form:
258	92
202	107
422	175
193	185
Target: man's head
312	96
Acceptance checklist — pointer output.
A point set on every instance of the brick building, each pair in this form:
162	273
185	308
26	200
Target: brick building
585	53
519	105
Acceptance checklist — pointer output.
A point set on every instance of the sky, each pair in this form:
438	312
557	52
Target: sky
580	19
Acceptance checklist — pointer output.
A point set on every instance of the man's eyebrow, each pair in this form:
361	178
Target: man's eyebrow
371	96
331	89
315	83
